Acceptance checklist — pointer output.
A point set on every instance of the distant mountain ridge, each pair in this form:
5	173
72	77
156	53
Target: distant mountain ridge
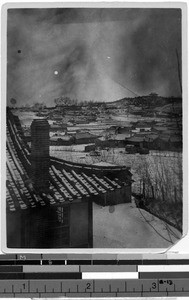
149	101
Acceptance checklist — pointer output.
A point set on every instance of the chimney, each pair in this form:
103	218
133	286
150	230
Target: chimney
40	159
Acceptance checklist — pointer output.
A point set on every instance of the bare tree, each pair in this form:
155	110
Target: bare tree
161	179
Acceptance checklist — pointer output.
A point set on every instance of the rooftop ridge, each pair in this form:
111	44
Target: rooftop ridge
88	166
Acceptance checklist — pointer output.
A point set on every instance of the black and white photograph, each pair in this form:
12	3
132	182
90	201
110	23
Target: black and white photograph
94	127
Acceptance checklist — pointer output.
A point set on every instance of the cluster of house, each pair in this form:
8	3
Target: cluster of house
147	135
73	114
71	125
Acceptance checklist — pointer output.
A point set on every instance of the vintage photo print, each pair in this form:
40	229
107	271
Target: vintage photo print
93	103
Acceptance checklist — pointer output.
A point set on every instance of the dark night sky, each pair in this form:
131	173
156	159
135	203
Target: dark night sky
92	53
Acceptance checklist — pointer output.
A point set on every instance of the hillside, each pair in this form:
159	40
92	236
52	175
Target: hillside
149	101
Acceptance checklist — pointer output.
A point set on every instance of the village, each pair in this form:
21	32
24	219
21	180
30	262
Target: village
144	133
136	127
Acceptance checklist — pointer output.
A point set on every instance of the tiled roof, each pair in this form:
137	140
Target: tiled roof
68	181
160	128
143	125
136	139
84	135
62	137
151	137
121	136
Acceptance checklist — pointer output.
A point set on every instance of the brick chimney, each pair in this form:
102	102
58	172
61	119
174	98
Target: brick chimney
40	159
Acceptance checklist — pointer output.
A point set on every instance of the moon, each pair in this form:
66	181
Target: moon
55	72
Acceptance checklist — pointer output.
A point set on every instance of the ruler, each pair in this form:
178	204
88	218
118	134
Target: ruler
35	276
94	288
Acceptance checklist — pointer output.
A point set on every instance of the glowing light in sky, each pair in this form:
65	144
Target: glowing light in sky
55	72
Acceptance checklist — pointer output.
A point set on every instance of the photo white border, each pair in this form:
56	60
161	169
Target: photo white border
182	246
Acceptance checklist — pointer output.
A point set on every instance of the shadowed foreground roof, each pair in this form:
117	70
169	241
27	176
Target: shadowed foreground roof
68	181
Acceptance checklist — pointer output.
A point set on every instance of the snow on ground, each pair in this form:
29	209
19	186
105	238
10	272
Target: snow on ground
72	148
104	164
26	118
134	118
123	226
73	156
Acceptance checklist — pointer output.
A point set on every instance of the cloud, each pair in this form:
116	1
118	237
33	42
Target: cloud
100	54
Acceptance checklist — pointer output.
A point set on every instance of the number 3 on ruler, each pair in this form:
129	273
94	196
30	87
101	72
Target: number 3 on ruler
154	285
